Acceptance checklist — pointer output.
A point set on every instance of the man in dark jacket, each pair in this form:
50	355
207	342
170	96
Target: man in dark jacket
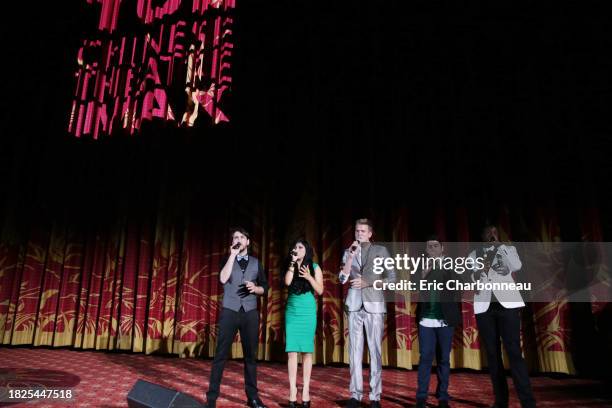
437	315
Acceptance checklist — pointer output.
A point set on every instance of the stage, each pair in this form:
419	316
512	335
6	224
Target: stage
101	379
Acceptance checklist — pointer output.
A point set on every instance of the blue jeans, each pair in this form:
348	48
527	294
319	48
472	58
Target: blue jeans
429	337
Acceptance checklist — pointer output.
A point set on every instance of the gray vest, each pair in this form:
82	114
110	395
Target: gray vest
232	288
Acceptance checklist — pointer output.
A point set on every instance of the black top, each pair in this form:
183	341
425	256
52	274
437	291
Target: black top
300	285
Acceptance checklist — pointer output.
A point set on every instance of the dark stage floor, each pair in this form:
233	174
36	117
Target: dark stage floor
101	379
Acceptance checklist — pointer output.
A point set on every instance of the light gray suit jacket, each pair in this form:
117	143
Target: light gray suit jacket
373	301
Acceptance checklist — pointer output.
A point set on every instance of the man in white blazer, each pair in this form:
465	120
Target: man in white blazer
498	315
365	307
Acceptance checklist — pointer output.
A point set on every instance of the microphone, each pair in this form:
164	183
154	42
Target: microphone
354	247
292	263
236	246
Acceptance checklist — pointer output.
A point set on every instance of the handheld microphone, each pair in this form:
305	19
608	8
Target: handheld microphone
354	247
293	253
236	246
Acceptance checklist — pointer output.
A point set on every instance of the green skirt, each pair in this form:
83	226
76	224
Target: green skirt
300	323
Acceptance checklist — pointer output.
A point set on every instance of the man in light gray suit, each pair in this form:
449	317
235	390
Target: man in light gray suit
366	307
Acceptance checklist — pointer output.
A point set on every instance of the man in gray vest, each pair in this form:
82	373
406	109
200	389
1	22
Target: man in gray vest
243	279
366	307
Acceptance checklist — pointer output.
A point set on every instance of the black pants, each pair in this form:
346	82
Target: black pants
229	323
498	322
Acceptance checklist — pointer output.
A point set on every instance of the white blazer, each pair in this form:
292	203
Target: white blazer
509	299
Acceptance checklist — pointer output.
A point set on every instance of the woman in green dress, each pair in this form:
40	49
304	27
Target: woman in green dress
303	277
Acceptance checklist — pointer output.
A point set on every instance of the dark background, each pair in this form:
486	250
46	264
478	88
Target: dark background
368	106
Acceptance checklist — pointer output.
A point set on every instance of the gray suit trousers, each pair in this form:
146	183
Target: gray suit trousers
374	326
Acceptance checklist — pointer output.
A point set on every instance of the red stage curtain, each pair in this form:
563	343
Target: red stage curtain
154	289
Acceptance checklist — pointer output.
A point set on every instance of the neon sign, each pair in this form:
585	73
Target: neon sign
172	63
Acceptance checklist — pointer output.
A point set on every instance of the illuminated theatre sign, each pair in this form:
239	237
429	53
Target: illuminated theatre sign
153	59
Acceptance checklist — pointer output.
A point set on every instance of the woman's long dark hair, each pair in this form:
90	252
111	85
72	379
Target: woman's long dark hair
300	285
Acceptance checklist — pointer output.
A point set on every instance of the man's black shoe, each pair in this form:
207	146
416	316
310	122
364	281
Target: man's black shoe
374	404
255	403
420	403
353	403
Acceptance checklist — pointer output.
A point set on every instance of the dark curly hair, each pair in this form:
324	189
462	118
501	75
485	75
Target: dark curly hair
300	285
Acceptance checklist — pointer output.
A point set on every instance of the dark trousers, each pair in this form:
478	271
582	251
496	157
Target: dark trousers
498	322
430	340
229	323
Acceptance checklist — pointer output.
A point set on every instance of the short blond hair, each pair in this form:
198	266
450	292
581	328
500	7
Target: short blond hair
365	221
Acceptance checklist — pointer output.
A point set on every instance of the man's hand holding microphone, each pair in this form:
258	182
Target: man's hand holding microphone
356	283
